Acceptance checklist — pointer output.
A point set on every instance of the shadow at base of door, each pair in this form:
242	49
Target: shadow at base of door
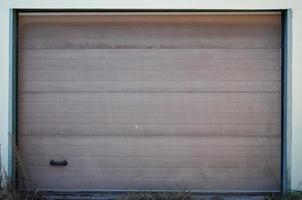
123	196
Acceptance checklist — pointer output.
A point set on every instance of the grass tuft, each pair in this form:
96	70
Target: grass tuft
25	189
295	195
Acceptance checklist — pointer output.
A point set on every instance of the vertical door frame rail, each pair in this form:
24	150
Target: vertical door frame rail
285	73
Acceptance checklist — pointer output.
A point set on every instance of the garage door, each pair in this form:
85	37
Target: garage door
151	101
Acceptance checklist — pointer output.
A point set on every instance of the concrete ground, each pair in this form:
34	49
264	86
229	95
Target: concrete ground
228	197
106	196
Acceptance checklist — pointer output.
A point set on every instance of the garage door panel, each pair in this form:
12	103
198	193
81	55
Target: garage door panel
151	65
167	43
144	173
160	140
152	108
128	31
101	75
190	102
150	54
164	184
150	98
151	130
141	119
155	18
218	35
159	162
152	151
150	86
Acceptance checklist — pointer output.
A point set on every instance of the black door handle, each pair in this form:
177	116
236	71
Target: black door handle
58	163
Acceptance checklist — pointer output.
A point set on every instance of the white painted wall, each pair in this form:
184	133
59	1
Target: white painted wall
295	5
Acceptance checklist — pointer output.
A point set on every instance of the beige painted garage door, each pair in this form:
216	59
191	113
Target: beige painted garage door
139	102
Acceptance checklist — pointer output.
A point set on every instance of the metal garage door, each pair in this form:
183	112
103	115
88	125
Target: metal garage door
151	101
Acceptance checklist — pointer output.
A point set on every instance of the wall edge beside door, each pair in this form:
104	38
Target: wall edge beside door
287	100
